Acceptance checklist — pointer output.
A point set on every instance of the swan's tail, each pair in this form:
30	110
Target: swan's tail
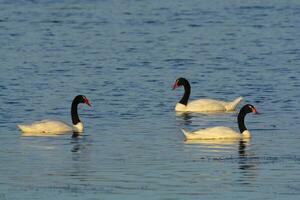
233	104
185	133
23	128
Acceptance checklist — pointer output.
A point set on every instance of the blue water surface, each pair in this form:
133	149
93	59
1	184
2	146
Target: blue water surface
124	56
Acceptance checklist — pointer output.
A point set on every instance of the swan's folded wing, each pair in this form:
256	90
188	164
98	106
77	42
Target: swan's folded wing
46	127
220	132
206	105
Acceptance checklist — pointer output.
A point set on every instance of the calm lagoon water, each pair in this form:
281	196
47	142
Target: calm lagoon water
124	56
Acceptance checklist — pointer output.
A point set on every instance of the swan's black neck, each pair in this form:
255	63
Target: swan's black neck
74	114
187	91
241	121
241	117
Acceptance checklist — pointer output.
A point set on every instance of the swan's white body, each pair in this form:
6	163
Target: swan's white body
49	127
54	127
208	105
219	132
222	132
218	143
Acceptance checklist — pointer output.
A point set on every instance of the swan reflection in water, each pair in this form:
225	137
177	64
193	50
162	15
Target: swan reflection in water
185	118
79	163
221	143
78	141
247	166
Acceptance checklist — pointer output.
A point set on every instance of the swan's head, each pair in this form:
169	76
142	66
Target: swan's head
249	109
179	82
82	99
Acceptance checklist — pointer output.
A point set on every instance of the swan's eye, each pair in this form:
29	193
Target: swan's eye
251	107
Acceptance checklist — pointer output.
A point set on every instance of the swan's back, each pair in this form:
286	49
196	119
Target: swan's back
201	105
219	132
45	126
206	105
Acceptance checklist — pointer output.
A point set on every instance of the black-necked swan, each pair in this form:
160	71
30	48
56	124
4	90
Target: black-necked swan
221	132
49	126
201	105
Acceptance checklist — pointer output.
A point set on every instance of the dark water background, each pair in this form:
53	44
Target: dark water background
124	56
